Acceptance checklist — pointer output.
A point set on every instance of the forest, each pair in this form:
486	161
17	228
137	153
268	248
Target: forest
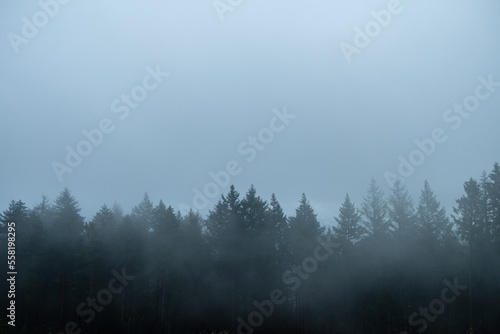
390	264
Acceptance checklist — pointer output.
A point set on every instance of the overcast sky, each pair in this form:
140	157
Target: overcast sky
358	93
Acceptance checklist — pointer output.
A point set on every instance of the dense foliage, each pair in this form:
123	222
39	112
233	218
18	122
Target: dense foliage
387	267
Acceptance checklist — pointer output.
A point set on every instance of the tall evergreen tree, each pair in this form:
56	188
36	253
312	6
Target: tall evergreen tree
349	229
435	239
493	191
28	258
304	232
165	221
99	247
401	213
433	224
226	233
117	213
304	225
468	215
104	220
473	228
16	213
374	210
254	213
195	263
66	250
278	221
68	225
143	213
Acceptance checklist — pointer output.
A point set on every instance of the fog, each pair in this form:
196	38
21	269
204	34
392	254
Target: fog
353	119
180	100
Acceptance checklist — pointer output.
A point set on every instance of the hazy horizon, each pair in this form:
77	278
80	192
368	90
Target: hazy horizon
355	113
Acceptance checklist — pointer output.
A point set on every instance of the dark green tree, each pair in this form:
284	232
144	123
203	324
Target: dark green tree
65	248
433	224
349	229
144	212
279	224
374	210
401	214
16	213
493	191
471	220
303	236
227	242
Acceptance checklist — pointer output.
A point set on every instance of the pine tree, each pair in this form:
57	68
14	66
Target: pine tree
226	235
468	215
254	213
224	225
257	234
473	228
29	235
433	225
278	222
17	213
45	211
165	251
192	227
104	220
303	235
99	247
435	238
305	225
165	221
195	262
68	225
349	228
374	210
401	213
117	213
67	232
493	191
143	213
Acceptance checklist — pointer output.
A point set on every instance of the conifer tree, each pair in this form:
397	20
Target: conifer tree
401	213
493	191
17	213
143	213
349	229
278	221
374	210
433	224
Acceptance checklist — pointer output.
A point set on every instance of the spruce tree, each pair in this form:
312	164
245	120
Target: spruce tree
401	213
433	224
278	221
493	190
349	229
65	247
143	213
374	210
17	213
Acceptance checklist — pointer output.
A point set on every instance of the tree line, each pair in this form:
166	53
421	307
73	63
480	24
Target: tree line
388	265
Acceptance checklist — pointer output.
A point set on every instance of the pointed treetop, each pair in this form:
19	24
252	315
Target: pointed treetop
374	210
349	228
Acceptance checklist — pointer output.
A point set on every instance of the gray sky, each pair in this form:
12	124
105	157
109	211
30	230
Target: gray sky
355	114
